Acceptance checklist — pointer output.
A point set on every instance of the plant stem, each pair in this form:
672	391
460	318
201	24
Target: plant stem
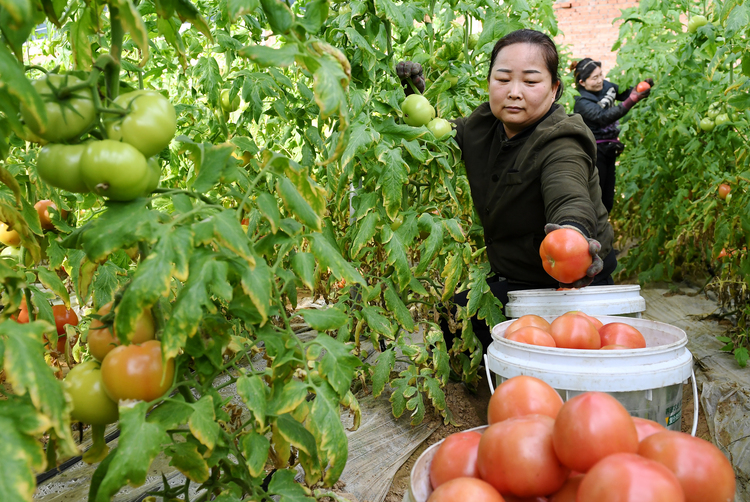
118	34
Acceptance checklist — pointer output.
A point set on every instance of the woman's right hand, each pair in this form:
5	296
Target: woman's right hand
636	96
408	70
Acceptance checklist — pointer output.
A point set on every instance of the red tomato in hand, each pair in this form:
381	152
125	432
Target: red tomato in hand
626	477
619	333
528	320
596	322
467	489
516	456
590	427
701	468
455	458
572	331
532	336
101	340
565	255
523	395
643	87
569	490
136	372
646	428
724	190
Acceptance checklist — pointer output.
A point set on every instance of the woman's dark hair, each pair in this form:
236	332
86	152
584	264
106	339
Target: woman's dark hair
545	44
583	69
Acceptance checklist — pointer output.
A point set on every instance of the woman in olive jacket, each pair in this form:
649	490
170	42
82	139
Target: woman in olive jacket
596	104
531	169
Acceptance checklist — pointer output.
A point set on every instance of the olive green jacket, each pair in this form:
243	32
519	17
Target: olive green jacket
545	174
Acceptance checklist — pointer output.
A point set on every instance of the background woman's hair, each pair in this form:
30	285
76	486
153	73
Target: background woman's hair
583	69
533	37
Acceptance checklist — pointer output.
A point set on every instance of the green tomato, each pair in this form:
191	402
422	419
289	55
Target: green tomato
417	110
696	22
397	222
66	118
707	124
115	170
473	39
439	128
11	252
150	124
226	105
714	110
452	79
721	119
91	404
154	175
60	166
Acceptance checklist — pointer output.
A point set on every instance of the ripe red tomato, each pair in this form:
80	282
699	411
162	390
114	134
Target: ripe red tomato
615	347
565	255
456	458
569	490
472	489
619	333
724	190
523	395
646	428
596	322
532	336
513	498
101	340
137	372
643	87
528	320
516	456
42	207
590	427
572	331
626	477
64	316
701	468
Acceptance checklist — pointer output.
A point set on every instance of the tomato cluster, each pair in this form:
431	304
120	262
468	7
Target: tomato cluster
63	317
589	449
419	112
575	330
121	167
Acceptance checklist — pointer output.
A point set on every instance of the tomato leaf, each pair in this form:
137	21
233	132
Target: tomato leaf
133	24
337	365
738	19
382	373
283	484
377	322
188	12
187	460
279	15
269	208
324	319
454	268
237	8
394	175
51	281
296	435
331	258
170	29
329	81
316	13
396	256
203	423
297	205
140	442
396	306
257	283
252	391
255	449
303	265
325	425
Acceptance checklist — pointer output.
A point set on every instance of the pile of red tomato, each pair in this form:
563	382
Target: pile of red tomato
589	449
575	330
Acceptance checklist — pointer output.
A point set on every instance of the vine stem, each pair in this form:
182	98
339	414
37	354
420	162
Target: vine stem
118	34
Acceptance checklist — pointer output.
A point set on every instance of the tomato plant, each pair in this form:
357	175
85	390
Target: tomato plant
523	395
565	255
456	458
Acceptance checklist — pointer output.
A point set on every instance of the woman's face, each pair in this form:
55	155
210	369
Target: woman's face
521	89
595	82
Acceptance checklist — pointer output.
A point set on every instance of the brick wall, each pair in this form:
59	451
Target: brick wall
588	29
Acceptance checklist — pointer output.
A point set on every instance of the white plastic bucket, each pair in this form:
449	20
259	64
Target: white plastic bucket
594	300
648	382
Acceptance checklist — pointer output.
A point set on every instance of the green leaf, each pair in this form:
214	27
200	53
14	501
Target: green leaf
269	208
386	9
106	282
296	435
283	484
741	355
186	459
170	29
140	442
360	138
203	423
396	256
255	449
324	319
81	31
331	258
338	365
21	455
303	265
214	161
738	19
52	281
452	273
188	12
252	391
268	56
237	8
325	424
382	372
316	13
257	284
741	101
286	397
376	321
297	205
279	15
393	177
397	307
454	230
329	87
133	24
367	230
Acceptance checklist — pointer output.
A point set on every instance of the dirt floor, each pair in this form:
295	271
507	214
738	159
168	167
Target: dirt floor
470	410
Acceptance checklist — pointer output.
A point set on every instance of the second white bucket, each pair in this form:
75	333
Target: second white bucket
623	300
648	382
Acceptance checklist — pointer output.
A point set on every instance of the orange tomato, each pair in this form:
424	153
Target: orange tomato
619	333
523	395
101	340
646	428
572	331
42	207
565	255
455	458
532	336
527	320
137	372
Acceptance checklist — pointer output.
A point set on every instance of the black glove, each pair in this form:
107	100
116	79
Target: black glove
594	247
650	81
408	70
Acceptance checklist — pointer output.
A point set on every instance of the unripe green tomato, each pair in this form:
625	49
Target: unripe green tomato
439	128
11	252
91	404
696	22
707	124
721	119
66	118
60	166
714	110
397	222
452	79
473	39
226	105
154	176
114	170
417	110
150	124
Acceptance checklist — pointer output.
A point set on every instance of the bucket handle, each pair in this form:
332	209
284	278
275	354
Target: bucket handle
696	404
